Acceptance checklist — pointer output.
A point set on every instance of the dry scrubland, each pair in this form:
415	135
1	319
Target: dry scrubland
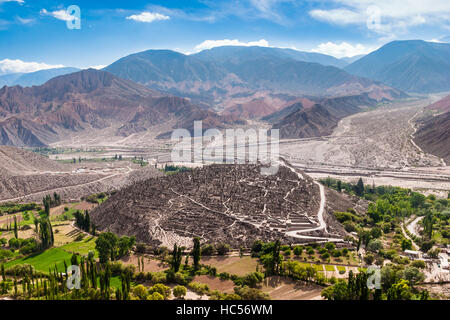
373	139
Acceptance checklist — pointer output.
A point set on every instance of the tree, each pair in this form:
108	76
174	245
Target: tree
375	245
106	245
339	185
125	244
222	249
196	253
359	188
16	233
369	258
252	279
176	258
179	292
74	260
298	250
413	275
399	291
45	232
417	199
406	244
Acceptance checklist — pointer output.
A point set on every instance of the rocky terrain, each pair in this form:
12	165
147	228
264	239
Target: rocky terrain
442	105
89	101
219	203
19	162
433	135
27	176
321	118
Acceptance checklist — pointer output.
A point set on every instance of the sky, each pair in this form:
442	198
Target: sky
38	35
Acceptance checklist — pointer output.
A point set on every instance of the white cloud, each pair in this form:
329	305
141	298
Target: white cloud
338	16
99	67
386	17
209	44
16	66
24	20
342	50
148	17
58	14
18	1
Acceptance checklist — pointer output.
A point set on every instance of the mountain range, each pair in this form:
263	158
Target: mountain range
412	66
302	94
92	100
34	78
224	77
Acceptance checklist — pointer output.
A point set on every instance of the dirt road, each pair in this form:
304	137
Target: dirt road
322	224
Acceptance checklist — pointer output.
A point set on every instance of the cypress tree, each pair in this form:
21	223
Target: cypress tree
16	231
196	252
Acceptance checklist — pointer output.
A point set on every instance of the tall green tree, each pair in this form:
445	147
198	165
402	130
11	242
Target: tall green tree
196	253
359	188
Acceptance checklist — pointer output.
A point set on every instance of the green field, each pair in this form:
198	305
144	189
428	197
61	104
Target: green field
81	247
44	260
329	267
341	268
318	267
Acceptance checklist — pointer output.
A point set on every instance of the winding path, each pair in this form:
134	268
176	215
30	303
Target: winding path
322	224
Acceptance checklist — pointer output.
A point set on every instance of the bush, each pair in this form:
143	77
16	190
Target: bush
247	293
325	256
298	250
141	248
222	249
199	288
252	279
208	250
161	289
375	245
420	264
224	276
179	292
349	226
369	258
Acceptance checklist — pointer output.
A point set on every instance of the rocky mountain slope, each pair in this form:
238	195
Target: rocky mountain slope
433	134
321	118
91	100
15	161
413	65
219	76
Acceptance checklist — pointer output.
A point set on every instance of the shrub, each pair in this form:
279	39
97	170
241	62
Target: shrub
161	289
369	258
208	250
179	292
420	264
222	249
298	250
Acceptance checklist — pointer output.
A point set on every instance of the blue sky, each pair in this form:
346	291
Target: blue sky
34	34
